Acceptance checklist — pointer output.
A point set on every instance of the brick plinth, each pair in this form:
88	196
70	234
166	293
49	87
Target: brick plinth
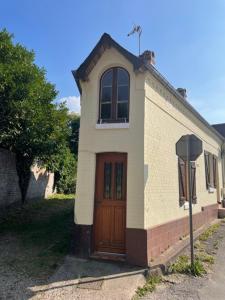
161	237
146	245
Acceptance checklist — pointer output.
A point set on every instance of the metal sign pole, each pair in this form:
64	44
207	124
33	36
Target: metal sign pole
190	204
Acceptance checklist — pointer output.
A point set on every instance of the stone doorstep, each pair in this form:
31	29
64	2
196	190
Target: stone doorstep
114	276
161	263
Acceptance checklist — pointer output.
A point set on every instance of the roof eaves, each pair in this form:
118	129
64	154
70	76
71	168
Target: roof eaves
166	83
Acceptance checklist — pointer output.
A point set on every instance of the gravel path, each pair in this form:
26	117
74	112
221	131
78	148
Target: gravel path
14	282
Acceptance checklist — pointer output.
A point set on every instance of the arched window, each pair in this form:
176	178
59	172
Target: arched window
114	96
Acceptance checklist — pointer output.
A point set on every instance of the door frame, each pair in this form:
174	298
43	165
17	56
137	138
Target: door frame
94	209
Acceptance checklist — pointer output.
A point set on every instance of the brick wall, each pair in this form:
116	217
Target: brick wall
161	237
40	185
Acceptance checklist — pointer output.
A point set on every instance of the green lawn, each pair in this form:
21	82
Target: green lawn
39	235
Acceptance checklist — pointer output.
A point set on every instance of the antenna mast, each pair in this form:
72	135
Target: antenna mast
137	29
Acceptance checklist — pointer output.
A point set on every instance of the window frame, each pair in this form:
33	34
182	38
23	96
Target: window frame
114	102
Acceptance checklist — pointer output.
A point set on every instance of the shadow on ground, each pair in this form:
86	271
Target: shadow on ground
84	279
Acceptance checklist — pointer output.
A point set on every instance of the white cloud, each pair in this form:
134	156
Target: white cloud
72	102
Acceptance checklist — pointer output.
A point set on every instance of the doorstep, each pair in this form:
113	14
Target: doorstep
162	262
108	256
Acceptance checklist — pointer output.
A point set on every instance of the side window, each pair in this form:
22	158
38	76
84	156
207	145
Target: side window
114	96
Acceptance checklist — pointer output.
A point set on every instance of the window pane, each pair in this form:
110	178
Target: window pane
122	77
123	93
122	110
106	94
107	180
106	111
119	180
107	78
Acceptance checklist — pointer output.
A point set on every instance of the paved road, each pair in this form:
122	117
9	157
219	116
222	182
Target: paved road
183	287
215	286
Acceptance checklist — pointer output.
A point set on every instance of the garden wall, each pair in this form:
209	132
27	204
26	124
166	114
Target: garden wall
40	185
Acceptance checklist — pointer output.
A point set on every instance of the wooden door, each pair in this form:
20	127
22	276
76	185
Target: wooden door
110	203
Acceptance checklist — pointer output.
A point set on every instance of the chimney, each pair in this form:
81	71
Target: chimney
183	92
148	57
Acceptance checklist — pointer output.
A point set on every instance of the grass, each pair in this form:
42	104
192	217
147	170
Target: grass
209	232
202	258
149	286
42	234
183	265
215	245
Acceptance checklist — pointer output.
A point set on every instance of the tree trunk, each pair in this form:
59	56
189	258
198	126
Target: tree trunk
23	165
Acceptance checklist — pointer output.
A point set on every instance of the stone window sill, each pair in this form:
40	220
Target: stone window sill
112	126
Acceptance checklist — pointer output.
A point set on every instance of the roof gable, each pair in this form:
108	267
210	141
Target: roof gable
107	42
104	43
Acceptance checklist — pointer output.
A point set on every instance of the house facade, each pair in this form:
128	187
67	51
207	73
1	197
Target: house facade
131	187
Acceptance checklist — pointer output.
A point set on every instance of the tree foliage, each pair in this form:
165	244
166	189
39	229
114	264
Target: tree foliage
64	165
31	125
74	135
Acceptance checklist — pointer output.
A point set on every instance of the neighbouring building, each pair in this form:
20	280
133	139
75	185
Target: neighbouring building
131	187
40	184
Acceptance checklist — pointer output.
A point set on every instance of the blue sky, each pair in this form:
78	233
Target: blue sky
188	38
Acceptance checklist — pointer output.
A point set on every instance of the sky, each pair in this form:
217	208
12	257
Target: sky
188	38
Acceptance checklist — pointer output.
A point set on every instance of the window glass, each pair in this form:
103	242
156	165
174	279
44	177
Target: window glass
106	94
107	180
105	111
122	110
123	93
119	180
114	96
122	77
107	78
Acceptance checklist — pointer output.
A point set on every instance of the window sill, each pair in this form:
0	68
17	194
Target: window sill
112	126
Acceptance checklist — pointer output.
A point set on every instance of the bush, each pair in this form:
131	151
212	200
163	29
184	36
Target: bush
64	166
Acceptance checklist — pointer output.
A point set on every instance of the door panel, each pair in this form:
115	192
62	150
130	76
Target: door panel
110	202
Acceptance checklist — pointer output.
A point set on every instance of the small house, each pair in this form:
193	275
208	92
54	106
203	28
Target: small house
132	189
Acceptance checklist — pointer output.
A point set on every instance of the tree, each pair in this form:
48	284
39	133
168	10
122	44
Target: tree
64	166
31	125
74	136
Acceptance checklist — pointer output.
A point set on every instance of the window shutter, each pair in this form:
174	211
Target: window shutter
182	181
214	171
193	183
207	170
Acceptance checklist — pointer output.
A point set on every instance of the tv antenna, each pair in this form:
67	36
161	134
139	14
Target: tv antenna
137	29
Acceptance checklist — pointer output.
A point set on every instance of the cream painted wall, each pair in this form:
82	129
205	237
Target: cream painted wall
166	120
157	121
129	140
